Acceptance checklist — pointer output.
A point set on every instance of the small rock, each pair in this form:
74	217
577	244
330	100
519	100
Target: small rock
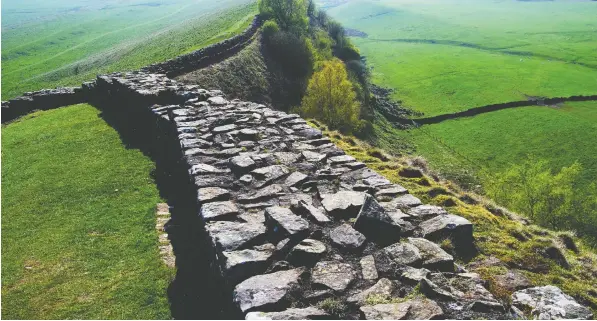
344	203
414	276
310	313
306	252
391	191
247	179
266	290
265	193
229	236
550	303
424	309
376	224
224	129
368	268
337	160
457	228
313	157
403	254
217	100
434	258
240	265
383	288
284	222
334	275
390	311
513	281
303	208
241	164
203	169
426	211
212	194
218	210
347	237
295	179
270	173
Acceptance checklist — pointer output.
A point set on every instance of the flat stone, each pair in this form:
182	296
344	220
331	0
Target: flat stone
344	203
389	311
284	222
303	208
457	228
212	194
426	211
241	164
230	236
218	210
466	288
376	224
217	100
334	275
337	160
306	252
550	303
376	181
224	129
203	169
286	158
309	133
383	288
270	173
313	157
404	202
266	290
391	191
424	309
347	238
368	268
310	313
413	275
247	179
513	281
265	193
248	133
403	254
240	265
434	257
296	178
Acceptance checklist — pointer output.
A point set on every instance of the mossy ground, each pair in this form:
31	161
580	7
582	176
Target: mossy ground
78	222
518	245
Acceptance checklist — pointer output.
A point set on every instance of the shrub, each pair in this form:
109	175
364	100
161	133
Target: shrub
270	28
294	53
331	98
291	15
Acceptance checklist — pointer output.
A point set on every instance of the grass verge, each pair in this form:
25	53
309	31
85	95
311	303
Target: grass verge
78	222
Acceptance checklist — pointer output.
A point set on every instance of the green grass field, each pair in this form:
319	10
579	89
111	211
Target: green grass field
444	56
78	222
66	42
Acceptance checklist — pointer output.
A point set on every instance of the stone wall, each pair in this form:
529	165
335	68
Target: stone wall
207	55
298	229
41	100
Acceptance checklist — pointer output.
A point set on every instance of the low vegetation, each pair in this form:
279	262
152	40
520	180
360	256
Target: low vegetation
498	232
78	222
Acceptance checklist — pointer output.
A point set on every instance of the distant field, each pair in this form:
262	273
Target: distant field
449	55
65	42
444	56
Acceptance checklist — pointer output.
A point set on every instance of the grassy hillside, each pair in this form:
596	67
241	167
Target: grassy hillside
78	222
67	42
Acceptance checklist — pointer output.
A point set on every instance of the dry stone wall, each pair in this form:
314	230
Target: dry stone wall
296	227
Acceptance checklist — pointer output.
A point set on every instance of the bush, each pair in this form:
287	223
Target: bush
270	28
290	15
554	200
331	98
293	53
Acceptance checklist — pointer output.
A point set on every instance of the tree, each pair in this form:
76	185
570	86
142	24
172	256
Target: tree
331	98
291	15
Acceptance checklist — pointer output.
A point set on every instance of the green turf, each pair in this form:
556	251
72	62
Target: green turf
78	222
68	42
484	52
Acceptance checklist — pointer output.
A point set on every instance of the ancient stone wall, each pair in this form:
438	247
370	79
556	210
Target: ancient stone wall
41	100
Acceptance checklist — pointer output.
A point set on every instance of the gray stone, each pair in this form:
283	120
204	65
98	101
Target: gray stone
241	164
249	134
368	268
217	100
424	309
247	179
266	290
212	194
344	203
218	210
310	313
203	169
295	178
457	228
414	276
229	236
376	224
389	311
347	238
426	211
550	303
313	157
303	208
265	193
284	222
286	158
337	160
405	202
240	265
434	258
382	289
403	254
466	288
306	252
224	129
391	191
334	275
376	181
512	281
270	173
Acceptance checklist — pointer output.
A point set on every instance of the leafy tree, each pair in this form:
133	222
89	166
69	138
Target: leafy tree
294	53
291	15
270	28
551	199
331	98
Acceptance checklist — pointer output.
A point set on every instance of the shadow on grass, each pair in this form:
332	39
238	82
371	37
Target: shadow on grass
196	292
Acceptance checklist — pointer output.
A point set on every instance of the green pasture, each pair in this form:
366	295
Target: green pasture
445	56
67	42
78	222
